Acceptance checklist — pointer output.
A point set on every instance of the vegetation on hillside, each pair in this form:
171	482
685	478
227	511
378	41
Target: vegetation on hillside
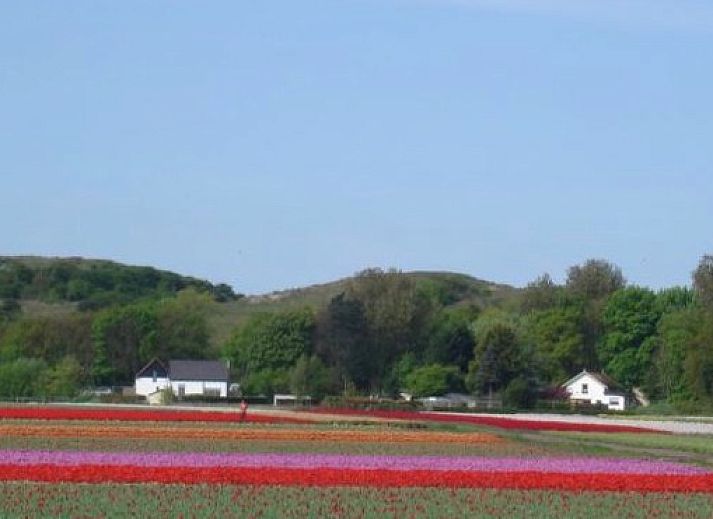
387	332
380	332
92	284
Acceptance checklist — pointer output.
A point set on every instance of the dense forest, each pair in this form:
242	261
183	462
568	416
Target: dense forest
383	332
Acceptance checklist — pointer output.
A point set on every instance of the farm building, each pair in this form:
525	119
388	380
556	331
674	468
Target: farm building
596	388
184	377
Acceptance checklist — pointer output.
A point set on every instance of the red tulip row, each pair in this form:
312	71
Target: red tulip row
137	415
491	421
358	477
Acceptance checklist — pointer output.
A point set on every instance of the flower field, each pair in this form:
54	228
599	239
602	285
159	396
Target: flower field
133	415
492	421
275	466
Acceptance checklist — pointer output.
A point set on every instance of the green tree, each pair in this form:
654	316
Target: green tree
673	299
21	378
343	340
676	335
450	338
520	393
266	382
182	327
630	320
703	281
540	294
271	341
432	380
48	338
590	284
310	377
10	309
64	379
498	357
124	338
396	313
558	341
594	279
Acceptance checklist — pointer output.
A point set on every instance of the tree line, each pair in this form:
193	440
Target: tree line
60	355
385	333
92	284
388	333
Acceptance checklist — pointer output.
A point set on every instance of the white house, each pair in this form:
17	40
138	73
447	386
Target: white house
596	388
198	377
184	377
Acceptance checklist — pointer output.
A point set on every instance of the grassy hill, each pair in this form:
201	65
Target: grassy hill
459	289
91	284
55	287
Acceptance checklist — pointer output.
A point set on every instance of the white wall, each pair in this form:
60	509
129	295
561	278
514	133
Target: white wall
595	393
147	385
193	387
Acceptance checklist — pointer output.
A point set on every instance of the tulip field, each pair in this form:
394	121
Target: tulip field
121	462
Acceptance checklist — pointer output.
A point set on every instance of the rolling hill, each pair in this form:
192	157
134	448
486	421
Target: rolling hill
49	287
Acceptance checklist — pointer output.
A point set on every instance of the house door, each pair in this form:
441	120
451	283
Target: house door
181	390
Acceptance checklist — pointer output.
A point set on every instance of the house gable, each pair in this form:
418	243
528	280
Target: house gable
596	389
154	369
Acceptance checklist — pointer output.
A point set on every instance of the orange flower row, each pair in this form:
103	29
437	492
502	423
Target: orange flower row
204	433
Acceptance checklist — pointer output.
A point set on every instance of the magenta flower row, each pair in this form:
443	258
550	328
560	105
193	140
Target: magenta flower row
570	465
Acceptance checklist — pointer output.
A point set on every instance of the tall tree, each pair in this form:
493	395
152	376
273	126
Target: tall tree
497	357
558	340
344	342
271	341
703	281
630	320
182	327
124	338
540	294
591	284
396	315
677	334
594	279
449	339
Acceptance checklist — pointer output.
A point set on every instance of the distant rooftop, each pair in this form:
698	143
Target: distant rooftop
213	370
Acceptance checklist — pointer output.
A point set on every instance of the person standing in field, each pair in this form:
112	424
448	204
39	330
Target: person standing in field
243	410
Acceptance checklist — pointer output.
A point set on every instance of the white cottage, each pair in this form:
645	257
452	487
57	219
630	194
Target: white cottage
184	377
596	388
198	377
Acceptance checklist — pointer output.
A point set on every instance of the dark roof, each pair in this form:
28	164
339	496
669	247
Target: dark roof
198	370
148	369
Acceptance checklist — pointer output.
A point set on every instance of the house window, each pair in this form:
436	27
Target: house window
585	389
613	401
155	375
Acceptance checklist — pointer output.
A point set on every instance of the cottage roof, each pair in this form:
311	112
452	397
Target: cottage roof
213	370
148	369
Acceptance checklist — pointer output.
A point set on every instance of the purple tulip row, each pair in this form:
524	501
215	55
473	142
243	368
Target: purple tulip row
569	465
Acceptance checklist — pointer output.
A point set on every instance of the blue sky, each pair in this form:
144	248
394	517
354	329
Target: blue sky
275	144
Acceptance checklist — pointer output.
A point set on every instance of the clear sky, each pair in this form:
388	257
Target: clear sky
272	144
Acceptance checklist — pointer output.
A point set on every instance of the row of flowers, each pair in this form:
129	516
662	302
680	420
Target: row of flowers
568	465
491	421
138	415
528	480
261	434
